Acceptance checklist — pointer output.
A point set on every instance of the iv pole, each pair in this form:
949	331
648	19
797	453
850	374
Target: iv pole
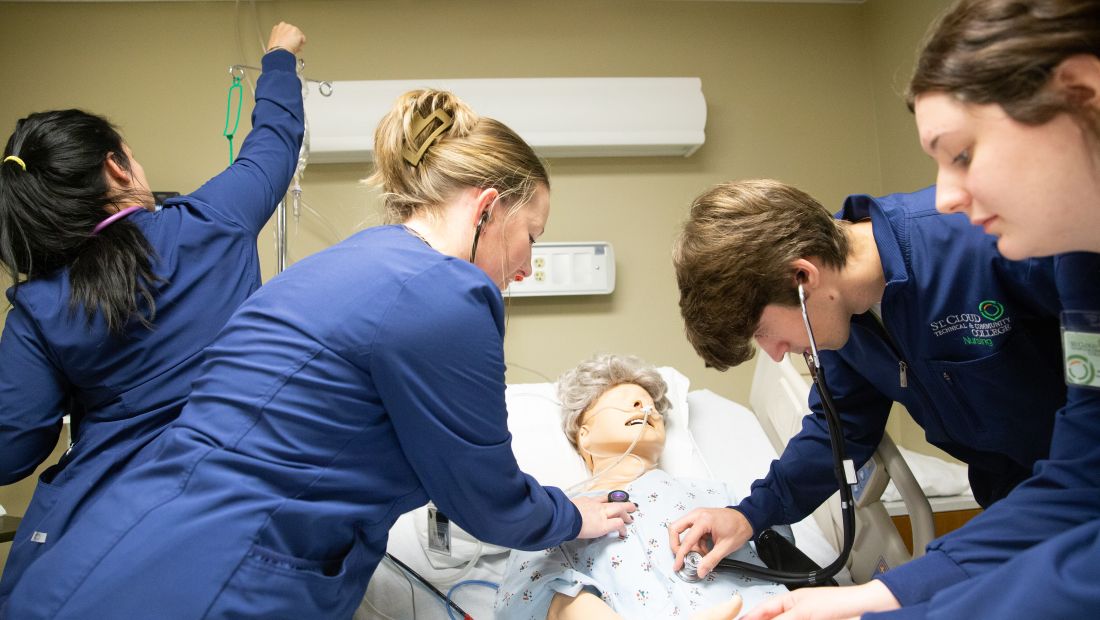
280	236
325	88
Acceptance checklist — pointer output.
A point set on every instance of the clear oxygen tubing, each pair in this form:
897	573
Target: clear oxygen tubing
581	487
842	467
584	485
465	570
510	365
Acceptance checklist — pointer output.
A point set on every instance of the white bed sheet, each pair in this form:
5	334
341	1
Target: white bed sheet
937	477
726	442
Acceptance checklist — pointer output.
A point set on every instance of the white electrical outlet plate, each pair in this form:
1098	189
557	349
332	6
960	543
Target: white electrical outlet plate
568	268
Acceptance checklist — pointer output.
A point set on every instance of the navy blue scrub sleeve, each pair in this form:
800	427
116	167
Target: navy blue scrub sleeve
439	366
32	393
1063	494
1059	578
248	191
802	478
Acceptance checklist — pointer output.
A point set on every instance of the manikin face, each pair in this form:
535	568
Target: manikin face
1037	188
613	422
781	329
504	248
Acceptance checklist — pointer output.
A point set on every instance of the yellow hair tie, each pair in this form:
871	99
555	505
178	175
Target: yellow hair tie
16	160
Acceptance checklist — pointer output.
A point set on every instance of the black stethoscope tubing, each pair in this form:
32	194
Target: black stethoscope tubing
847	505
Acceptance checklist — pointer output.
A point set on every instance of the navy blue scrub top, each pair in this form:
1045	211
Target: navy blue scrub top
960	326
121	391
350	389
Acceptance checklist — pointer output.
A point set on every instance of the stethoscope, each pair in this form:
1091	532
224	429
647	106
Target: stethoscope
845	477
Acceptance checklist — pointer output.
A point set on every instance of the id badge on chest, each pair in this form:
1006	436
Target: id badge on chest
1081	348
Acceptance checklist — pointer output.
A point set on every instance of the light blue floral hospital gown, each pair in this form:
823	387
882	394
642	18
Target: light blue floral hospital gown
634	575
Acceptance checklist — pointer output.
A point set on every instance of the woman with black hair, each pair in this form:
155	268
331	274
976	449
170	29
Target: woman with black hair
113	301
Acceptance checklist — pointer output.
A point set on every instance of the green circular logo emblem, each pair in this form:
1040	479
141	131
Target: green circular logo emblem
991	310
1079	370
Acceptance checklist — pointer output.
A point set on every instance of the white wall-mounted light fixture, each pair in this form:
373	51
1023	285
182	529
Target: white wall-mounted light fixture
559	117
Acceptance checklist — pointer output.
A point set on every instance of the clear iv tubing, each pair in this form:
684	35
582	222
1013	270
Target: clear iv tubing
303	155
296	199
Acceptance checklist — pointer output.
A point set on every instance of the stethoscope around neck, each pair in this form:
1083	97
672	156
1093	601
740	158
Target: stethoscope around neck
845	477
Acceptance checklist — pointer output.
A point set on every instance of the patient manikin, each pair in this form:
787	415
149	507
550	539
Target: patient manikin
614	405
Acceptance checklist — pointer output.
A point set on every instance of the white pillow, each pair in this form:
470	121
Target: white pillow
541	449
540	446
681	456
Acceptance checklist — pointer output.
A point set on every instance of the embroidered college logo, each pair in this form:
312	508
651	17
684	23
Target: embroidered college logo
991	310
1079	370
978	328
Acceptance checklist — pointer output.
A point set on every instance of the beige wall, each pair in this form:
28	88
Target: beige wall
894	30
788	86
799	92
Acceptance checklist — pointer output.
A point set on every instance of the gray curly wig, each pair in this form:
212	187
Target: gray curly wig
583	385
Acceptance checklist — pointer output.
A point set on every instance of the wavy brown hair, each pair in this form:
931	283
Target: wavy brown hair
734	257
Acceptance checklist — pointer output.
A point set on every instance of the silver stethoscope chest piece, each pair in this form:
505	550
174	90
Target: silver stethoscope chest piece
689	572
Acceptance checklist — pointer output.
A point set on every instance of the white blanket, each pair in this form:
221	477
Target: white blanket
936	477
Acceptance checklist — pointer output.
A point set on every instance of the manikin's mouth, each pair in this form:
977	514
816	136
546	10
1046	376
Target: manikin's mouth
639	420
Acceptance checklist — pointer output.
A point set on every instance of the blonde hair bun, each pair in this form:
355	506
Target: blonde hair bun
431	144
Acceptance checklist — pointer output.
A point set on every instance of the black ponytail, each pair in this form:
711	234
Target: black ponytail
48	211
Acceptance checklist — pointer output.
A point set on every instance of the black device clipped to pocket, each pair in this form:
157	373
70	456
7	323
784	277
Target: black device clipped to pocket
778	553
160	197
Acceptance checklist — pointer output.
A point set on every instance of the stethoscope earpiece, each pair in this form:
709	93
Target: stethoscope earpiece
477	233
812	360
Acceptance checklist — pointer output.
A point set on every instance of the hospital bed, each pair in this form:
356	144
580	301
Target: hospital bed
708	436
778	396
